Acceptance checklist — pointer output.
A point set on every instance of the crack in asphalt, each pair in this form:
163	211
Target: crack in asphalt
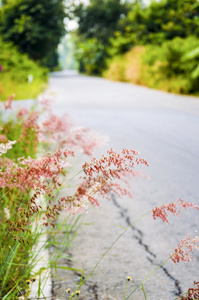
91	288
139	237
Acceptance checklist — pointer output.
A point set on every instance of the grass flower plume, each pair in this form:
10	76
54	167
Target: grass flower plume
184	249
193	293
173	208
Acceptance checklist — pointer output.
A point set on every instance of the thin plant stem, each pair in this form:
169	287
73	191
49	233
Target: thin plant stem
126	289
177	298
57	190
89	275
47	240
144	292
147	277
34	258
5	193
10	259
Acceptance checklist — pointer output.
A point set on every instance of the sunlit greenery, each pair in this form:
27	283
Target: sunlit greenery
19	75
160	21
35	27
97	24
171	67
164	33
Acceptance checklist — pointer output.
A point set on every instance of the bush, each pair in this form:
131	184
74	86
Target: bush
17	72
90	57
172	67
155	23
127	67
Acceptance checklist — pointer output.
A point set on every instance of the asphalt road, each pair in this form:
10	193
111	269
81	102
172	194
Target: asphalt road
164	128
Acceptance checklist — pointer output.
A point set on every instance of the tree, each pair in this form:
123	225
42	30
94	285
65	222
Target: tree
97	23
100	18
36	27
153	24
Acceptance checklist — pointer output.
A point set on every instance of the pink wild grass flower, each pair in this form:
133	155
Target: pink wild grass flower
46	100
64	133
174	208
43	177
61	131
184	249
4	162
3	138
55	129
8	103
22	113
85	139
193	293
101	179
35	173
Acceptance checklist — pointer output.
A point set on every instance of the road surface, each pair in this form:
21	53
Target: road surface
164	128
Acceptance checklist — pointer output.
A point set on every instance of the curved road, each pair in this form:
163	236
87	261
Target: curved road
164	128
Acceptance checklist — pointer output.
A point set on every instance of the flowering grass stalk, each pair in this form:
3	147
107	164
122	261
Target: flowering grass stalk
26	179
127	283
185	247
182	252
192	293
23	179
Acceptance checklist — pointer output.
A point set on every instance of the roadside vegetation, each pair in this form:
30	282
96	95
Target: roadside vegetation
29	35
29	182
37	148
19	74
171	67
155	45
30	186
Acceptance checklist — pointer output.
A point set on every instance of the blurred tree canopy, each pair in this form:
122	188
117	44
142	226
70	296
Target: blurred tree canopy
35	27
100	18
156	23
109	28
97	24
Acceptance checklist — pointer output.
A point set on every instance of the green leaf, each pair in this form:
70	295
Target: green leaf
120	226
194	53
195	73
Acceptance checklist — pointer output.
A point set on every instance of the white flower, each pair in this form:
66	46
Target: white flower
7	212
5	147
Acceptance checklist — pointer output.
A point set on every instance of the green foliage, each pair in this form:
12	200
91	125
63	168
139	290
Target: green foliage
171	67
15	256
173	62
119	26
127	67
26	137
90	56
16	68
35	27
17	64
193	57
97	23
100	18
160	21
